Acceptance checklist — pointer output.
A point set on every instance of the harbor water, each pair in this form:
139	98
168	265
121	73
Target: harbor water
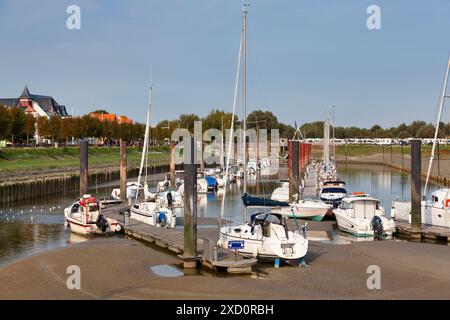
37	226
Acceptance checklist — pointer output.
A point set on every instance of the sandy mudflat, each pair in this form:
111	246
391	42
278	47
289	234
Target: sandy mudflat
114	268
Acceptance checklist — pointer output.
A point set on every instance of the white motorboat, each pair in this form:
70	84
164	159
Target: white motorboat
363	216
435	211
176	199
332	194
84	217
265	237
202	187
153	214
132	189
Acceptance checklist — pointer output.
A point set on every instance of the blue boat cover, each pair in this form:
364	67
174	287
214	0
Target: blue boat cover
211	181
251	201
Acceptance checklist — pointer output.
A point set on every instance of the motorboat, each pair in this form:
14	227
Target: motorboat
265	237
435	210
202	187
84	217
153	214
175	200
332	194
363	216
132	189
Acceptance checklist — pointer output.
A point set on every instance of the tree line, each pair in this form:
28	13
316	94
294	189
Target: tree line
19	128
416	129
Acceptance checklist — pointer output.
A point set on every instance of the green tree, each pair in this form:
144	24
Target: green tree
187	121
18	124
262	120
5	122
30	126
54	129
426	131
43	127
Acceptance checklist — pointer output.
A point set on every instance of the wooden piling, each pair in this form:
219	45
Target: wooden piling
190	257
84	169
123	170
172	164
294	175
416	205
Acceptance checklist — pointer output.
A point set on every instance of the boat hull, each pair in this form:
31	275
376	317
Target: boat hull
430	215
264	247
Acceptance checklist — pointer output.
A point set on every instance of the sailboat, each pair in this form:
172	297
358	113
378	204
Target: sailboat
435	210
152	213
267	234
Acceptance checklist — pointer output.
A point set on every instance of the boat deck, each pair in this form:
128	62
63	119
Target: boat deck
173	240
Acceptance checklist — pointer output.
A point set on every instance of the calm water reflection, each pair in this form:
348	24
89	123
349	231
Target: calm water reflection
380	182
34	227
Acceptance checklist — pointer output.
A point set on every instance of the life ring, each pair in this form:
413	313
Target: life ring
447	203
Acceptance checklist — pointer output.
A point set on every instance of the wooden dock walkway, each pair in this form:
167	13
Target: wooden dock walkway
310	189
429	232
173	240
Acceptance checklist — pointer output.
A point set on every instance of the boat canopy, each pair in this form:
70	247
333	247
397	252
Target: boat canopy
252	201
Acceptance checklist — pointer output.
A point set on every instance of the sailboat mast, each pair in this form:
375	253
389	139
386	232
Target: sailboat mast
441	107
231	140
244	93
146	136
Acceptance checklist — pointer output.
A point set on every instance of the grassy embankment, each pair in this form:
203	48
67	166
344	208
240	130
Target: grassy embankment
68	158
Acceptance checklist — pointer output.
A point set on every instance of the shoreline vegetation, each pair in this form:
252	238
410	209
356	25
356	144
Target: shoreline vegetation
18	164
28	163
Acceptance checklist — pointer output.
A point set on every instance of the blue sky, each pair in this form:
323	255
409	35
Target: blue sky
304	56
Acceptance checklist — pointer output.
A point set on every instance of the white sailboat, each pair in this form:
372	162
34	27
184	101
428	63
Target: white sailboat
435	210
266	235
152	213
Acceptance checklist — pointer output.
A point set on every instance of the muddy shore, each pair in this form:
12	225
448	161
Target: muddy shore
114	268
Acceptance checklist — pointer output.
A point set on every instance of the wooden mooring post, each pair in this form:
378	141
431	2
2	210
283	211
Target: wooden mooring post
123	170
294	174
84	168
416	203
172	165
190	257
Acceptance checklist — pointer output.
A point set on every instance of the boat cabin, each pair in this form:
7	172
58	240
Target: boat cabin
360	207
265	220
86	210
441	198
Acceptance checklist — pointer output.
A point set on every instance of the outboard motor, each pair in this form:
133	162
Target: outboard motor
169	199
102	223
377	227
